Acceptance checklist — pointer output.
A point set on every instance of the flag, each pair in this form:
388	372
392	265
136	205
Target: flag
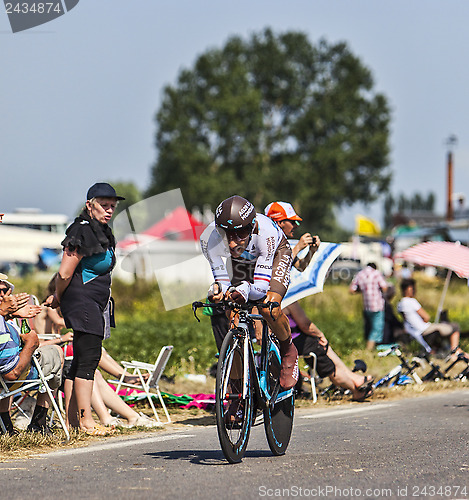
366	226
311	280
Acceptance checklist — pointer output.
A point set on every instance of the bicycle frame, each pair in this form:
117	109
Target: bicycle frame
268	346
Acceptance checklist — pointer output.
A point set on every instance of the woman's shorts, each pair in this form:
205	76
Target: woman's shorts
307	344
87	349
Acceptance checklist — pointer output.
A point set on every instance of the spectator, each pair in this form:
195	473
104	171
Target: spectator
417	321
285	216
50	321
371	284
306	336
393	326
16	351
83	293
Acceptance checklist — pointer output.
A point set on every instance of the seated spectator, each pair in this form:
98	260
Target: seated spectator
417	321
16	351
104	398
307	338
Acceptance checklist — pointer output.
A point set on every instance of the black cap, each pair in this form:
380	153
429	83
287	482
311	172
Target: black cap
102	190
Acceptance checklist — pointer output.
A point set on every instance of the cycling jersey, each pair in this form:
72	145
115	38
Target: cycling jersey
264	265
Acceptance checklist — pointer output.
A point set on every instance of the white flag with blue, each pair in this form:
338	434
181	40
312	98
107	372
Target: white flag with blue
311	280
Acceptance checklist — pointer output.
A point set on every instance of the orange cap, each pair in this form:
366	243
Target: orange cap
281	210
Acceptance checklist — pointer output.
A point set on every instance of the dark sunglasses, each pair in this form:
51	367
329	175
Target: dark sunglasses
293	222
239	234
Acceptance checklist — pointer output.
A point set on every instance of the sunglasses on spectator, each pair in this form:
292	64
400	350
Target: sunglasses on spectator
293	222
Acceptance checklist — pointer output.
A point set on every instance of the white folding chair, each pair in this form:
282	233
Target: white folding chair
138	369
8	389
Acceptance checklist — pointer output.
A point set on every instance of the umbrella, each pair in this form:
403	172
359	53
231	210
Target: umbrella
311	280
451	256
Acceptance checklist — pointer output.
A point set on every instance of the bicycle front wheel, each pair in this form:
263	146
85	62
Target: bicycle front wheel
278	416
234	413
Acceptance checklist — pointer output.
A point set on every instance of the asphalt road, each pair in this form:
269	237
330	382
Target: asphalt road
411	448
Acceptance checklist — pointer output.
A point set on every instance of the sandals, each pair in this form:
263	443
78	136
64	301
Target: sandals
114	422
366	389
98	430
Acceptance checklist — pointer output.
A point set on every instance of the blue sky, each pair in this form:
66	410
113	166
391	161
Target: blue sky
79	94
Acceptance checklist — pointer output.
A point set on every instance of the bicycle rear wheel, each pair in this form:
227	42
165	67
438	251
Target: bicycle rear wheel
278	417
234	414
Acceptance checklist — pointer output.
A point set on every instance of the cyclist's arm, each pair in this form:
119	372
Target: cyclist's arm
211	249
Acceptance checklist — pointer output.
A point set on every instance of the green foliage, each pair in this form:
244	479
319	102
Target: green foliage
129	191
144	326
271	118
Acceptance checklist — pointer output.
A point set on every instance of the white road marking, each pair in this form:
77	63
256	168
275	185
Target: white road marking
348	411
111	446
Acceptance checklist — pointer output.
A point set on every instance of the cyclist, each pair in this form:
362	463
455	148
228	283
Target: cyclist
258	261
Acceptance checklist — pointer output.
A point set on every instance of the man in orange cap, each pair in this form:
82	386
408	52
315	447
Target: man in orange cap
306	336
285	216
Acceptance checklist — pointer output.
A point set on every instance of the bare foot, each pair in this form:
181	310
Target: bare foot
135	379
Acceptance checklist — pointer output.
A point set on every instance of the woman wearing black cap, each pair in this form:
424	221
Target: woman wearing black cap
83	291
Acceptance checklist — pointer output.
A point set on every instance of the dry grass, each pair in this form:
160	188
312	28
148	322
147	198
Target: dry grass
26	444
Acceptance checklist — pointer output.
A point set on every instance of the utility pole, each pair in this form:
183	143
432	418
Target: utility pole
451	143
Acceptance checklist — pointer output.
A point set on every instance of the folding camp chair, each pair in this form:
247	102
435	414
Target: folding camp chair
40	383
314	374
139	369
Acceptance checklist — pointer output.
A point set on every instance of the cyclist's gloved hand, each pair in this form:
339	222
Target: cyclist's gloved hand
215	293
239	294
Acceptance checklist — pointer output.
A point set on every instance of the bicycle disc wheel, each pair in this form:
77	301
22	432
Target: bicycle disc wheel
234	414
278	418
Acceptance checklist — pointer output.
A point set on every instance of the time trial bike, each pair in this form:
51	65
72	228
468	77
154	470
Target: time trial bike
246	383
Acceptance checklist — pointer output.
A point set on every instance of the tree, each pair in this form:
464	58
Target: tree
274	118
406	205
129	191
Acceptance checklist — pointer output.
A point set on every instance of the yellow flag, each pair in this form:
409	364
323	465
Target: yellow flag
366	226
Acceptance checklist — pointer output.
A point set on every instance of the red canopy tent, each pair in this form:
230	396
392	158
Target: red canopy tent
178	225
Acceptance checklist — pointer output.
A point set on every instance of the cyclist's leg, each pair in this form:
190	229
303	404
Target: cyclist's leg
280	326
220	326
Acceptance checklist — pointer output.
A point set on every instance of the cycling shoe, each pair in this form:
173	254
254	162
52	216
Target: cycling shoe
289	372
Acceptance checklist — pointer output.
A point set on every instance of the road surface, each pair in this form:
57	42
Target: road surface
411	448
